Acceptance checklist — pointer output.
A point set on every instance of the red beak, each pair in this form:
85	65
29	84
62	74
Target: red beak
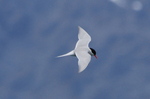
95	56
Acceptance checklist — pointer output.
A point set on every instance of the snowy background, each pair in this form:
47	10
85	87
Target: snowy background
34	32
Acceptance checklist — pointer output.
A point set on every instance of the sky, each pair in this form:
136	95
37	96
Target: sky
34	32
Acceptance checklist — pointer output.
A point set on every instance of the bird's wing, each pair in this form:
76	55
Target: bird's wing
84	39
83	59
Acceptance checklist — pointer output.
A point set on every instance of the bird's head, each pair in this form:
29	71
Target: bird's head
93	52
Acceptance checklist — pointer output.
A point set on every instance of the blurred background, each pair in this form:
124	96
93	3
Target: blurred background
34	32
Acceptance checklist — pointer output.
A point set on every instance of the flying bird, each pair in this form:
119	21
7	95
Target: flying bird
82	50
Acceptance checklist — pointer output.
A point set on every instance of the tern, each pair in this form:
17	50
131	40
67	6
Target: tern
82	50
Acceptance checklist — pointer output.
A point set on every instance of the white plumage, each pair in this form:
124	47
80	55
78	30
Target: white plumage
82	50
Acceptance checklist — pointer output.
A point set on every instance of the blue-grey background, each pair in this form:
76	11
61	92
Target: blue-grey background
34	32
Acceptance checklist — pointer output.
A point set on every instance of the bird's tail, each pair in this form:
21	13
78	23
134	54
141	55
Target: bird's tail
71	53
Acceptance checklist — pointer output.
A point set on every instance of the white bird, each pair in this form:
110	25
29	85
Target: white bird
82	50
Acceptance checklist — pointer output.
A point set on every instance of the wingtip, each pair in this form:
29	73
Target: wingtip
79	71
79	27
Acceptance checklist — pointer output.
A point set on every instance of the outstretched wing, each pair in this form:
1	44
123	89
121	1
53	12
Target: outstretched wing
84	39
83	59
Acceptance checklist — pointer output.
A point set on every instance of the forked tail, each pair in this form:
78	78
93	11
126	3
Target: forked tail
71	53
